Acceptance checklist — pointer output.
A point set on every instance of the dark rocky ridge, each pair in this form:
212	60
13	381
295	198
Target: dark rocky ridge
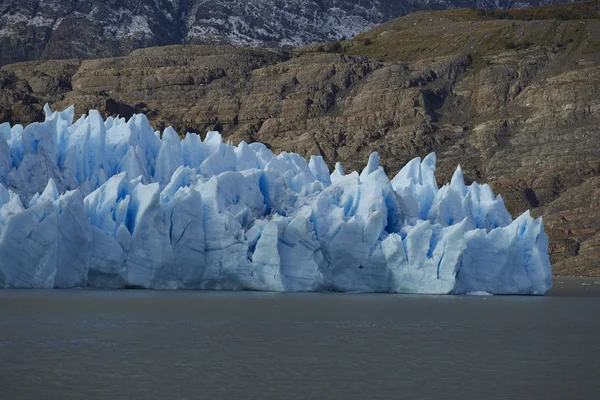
60	29
523	118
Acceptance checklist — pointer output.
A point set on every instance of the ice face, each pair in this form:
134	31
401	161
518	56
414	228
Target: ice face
111	203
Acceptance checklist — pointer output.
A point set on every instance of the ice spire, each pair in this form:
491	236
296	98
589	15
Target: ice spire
372	166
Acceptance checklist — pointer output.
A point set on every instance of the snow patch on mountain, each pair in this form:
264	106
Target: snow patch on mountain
257	23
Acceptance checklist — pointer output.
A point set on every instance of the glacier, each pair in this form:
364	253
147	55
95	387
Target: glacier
114	204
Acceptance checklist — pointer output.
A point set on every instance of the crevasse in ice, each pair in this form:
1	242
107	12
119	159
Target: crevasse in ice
109	203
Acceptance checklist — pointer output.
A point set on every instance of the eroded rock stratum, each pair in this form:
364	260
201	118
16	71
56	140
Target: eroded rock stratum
516	103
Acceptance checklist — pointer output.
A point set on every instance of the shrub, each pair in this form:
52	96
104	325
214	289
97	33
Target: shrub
335	46
518	46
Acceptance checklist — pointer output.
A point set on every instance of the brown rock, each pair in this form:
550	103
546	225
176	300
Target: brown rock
524	119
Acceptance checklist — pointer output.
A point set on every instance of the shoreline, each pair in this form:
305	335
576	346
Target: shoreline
574	286
562	286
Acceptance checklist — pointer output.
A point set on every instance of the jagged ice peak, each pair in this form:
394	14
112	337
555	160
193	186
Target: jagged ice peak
112	203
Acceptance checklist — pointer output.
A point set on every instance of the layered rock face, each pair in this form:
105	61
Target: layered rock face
521	116
49	29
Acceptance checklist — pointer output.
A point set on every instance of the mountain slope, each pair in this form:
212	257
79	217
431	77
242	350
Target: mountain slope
50	29
515	102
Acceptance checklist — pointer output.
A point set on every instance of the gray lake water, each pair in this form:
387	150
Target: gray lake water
84	344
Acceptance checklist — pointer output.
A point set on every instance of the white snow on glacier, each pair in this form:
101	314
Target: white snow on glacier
108	203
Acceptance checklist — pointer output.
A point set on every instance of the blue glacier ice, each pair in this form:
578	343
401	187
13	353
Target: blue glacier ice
113	204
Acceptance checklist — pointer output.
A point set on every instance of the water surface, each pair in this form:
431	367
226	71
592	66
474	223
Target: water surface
84	344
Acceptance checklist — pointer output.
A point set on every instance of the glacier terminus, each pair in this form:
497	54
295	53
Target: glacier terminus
114	204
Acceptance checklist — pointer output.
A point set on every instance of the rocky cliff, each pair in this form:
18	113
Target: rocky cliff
515	102
52	29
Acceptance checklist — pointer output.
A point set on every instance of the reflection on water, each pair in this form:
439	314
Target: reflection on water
84	344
